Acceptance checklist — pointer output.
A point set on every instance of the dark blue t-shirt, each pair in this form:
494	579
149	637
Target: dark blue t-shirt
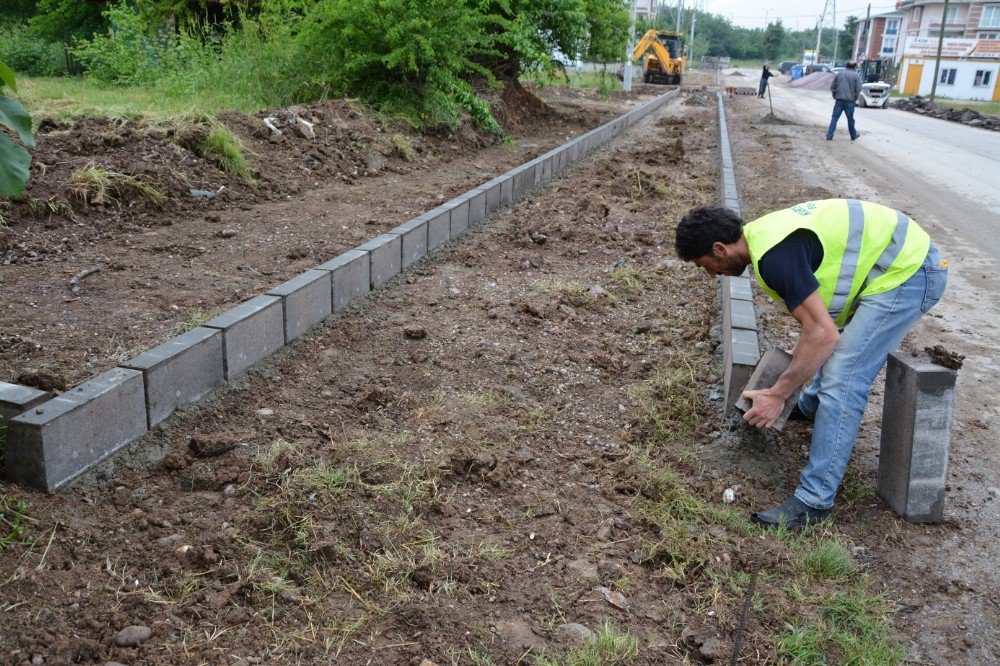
788	267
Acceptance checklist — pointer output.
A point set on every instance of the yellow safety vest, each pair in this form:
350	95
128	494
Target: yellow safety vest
867	248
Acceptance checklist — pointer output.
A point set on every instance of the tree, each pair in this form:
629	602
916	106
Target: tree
773	37
14	159
607	31
845	47
65	20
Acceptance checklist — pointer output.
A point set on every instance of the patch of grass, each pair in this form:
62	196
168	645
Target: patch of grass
609	646
986	108
196	318
403	146
226	150
96	185
627	279
829	560
12	518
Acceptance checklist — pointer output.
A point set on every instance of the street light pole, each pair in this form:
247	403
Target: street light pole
937	61
627	82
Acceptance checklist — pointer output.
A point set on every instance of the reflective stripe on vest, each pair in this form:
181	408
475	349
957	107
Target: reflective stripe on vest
867	248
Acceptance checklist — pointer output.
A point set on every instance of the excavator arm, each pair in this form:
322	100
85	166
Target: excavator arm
647	42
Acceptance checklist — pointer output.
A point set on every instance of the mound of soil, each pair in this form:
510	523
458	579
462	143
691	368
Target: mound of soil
965	116
814	81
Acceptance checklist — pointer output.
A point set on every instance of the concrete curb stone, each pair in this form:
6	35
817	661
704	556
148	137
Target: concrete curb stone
251	332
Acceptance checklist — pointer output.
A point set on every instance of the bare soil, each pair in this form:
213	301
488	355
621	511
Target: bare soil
164	266
446	472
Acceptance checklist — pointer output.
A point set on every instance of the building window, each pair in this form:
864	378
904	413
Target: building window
983	77
990	17
889	46
988	35
951	15
918	13
947	77
891	26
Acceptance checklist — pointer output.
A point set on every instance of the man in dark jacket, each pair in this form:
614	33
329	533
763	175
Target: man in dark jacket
846	86
765	74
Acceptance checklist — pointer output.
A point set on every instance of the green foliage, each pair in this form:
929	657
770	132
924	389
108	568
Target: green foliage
773	37
225	148
66	20
12	516
845	45
404	57
829	561
126	54
17	11
30	55
607	30
14	159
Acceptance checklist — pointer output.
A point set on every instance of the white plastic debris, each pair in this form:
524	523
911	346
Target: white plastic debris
728	495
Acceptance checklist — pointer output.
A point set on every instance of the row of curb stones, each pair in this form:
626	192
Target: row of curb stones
919	396
52	440
740	342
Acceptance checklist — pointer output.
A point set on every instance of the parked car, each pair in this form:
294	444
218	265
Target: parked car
835	70
818	67
785	66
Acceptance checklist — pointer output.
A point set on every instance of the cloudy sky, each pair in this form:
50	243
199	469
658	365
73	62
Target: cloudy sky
800	14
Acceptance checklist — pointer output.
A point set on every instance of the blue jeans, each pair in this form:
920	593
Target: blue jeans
847	108
762	88
839	393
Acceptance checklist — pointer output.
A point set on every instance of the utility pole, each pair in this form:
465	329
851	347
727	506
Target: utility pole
680	15
819	32
868	33
836	33
937	61
627	80
694	19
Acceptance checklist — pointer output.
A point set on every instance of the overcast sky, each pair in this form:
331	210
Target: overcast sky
800	14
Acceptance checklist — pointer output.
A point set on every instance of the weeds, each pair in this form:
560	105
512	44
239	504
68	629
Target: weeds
12	518
196	318
609	646
828	561
226	150
403	146
97	186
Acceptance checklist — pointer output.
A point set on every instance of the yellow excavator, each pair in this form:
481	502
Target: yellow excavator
666	62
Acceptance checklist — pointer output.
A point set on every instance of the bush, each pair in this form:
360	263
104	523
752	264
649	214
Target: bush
30	55
405	57
127	54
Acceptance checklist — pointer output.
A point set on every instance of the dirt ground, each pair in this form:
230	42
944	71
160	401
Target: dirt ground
514	444
944	578
167	265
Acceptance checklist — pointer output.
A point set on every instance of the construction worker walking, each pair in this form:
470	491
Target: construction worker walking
846	86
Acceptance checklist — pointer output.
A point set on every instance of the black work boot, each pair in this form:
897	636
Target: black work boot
791	513
798	415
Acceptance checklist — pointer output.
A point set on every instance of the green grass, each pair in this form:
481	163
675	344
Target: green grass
609	646
226	150
828	561
12	517
70	97
986	108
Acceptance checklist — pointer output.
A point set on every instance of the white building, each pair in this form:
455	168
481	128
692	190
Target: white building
646	8
970	56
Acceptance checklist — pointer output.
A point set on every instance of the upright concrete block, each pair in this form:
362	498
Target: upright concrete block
438	227
180	371
58	440
459	215
506	189
385	253
524	179
477	205
251	332
413	236
738	313
916	434
350	277
492	195
306	300
774	362
16	400
740	353
739	288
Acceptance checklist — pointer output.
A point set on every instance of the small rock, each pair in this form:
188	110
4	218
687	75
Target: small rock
728	495
133	636
427	662
37	660
265	411
415	332
228	233
714	649
538	238
229	490
574	633
201	194
597	290
858	551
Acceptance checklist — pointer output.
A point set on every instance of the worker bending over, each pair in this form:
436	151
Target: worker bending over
857	276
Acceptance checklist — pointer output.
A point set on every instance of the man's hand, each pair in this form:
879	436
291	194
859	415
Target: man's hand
767	407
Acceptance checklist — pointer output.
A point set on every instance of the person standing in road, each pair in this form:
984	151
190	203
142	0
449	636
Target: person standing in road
857	276
765	74
846	86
